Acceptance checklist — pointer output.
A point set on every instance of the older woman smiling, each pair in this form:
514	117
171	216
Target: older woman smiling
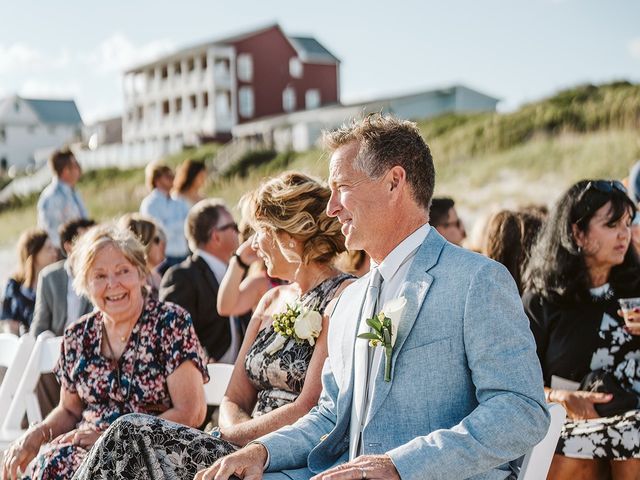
132	354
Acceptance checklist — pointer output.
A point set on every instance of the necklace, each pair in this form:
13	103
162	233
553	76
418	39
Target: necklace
115	361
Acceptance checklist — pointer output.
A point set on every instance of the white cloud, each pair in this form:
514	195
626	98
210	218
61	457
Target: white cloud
117	53
634	48
18	57
43	89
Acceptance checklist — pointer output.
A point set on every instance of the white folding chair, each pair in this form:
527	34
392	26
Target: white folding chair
43	358
536	463
219	374
14	354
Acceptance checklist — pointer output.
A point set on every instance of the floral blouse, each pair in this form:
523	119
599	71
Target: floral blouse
161	340
18	304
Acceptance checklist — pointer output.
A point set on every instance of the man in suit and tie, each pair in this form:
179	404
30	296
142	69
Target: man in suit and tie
461	394
57	303
193	284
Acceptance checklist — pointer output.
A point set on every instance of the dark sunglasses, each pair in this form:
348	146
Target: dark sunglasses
604	186
227	226
457	224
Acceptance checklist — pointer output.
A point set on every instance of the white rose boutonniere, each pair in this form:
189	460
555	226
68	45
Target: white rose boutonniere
297	322
384	330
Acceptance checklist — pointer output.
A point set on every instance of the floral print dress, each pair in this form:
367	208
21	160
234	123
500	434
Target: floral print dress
616	437
147	448
162	339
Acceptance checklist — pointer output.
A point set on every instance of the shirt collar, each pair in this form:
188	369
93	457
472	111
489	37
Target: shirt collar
63	185
403	251
217	266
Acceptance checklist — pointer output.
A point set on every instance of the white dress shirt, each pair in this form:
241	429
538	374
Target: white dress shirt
393	269
218	267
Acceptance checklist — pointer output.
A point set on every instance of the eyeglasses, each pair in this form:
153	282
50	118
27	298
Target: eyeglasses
457	224
227	226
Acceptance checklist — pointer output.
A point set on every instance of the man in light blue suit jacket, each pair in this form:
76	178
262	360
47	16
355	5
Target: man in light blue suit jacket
465	393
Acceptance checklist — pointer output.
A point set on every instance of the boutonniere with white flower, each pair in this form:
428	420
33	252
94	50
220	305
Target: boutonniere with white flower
384	329
297	322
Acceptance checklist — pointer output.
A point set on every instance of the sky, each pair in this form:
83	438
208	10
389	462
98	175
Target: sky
516	50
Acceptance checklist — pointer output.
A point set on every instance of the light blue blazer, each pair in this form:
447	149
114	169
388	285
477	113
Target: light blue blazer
466	394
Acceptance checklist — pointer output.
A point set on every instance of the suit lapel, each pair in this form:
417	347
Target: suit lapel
208	274
414	289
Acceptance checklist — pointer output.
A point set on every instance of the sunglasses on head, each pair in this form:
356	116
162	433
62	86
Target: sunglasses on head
226	226
604	186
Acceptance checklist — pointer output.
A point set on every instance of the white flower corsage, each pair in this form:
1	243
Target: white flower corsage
297	322
384	329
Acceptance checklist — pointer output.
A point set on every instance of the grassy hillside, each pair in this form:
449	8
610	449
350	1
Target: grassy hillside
482	160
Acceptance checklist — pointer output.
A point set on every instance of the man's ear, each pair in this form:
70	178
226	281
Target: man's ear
397	177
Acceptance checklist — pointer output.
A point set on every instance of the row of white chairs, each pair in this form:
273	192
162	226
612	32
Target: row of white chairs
27	358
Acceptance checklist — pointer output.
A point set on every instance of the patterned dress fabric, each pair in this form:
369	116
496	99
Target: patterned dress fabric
147	448
590	337
18	304
161	340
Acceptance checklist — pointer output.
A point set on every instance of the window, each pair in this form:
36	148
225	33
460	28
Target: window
295	67
312	98
223	106
191	64
205	99
139	112
177	69
245	67
289	99
165	107
193	101
3	134
164	72
178	105
203	62
246	102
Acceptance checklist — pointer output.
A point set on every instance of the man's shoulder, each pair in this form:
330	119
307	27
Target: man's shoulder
53	270
52	190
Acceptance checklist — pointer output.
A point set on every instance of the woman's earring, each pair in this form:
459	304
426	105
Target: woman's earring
292	244
579	249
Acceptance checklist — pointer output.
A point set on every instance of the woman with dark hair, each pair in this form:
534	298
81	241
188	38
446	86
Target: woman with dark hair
509	238
580	266
191	176
35	251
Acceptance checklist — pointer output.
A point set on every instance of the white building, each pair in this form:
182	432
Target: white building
300	131
28	125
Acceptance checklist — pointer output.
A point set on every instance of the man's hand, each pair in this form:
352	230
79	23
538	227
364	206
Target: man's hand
248	463
365	466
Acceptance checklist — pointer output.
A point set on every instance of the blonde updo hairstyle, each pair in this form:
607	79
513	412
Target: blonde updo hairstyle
96	239
295	203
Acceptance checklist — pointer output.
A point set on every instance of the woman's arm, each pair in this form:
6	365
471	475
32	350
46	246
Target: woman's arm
242	433
240	397
187	396
62	419
237	296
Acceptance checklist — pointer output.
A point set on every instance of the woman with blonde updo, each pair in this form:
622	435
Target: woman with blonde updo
131	354
276	379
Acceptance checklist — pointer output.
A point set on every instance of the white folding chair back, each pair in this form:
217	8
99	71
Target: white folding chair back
536	463
14	354
8	348
42	360
219	374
